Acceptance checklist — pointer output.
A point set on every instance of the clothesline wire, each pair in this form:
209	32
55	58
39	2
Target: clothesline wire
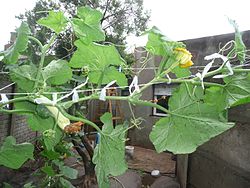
154	68
5	87
84	90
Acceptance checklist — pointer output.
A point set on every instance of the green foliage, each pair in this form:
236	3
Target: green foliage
20	45
65	170
48	170
237	89
57	72
24	76
117	18
158	44
195	114
95	56
99	60
54	21
240	47
65	183
110	158
51	136
13	155
87	26
110	74
191	122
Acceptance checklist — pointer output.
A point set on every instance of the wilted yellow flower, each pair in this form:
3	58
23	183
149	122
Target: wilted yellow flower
183	56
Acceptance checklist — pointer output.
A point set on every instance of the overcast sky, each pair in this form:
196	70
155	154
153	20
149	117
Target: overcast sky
182	19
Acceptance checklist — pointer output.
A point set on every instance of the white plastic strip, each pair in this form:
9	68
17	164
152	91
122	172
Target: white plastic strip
102	96
4	99
169	79
134	84
73	91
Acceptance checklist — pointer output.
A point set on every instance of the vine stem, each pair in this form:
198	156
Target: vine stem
44	50
73	118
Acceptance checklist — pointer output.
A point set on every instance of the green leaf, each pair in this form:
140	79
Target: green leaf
181	72
109	74
13	155
37	123
65	183
48	170
24	76
20	45
54	21
87	26
191	122
109	154
158	44
68	172
237	89
216	97
51	155
6	185
29	185
57	72
95	56
25	106
42	111
240	47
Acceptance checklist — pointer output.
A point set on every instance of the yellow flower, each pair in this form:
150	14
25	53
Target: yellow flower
183	56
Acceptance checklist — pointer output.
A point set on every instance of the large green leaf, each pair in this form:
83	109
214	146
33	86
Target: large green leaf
65	170
87	26
68	172
110	74
54	21
95	56
216	97
65	183
20	45
26	106
13	155
109	154
237	89
24	76
57	72
158	44
190	124
46	125
37	123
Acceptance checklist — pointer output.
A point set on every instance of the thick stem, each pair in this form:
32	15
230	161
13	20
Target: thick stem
87	145
73	118
44	50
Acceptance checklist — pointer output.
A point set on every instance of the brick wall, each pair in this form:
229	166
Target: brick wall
14	125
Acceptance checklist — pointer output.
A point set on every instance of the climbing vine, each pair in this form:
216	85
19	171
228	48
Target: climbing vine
47	91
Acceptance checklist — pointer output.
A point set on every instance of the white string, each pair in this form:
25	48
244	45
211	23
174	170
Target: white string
155	68
7	86
85	90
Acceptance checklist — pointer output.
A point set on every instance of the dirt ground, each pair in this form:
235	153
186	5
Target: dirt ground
148	160
143	162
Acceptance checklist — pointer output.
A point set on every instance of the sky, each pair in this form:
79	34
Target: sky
178	20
